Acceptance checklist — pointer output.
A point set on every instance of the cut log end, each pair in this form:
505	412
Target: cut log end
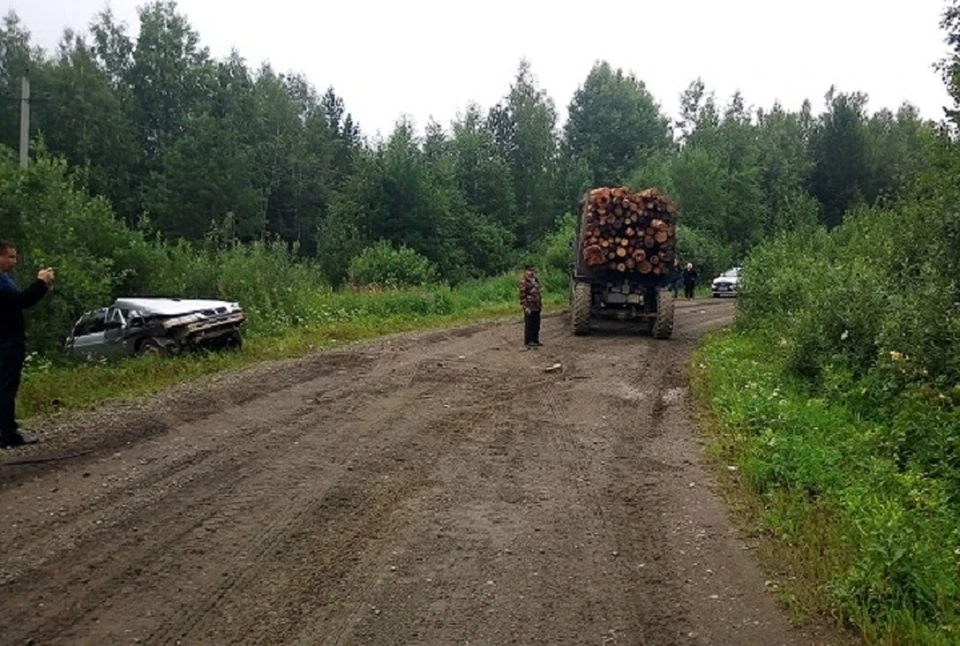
628	231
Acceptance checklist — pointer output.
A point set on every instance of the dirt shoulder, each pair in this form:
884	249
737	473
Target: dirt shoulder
439	488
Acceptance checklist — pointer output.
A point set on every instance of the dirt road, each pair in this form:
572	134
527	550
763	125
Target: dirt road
432	489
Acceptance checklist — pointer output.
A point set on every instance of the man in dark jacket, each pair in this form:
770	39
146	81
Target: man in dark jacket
532	303
689	280
677	278
13	340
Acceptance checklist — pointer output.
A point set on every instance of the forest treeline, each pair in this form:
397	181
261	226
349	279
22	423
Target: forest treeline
182	143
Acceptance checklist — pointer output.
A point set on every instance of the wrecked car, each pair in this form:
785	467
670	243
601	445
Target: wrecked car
133	326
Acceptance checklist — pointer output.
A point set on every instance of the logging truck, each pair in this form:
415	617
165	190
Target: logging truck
625	248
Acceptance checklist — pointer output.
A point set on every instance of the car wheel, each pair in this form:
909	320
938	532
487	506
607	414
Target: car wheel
234	342
151	346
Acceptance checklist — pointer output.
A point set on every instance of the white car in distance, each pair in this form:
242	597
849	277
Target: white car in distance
727	283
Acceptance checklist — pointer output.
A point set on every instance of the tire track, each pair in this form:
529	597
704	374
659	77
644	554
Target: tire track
342	518
186	503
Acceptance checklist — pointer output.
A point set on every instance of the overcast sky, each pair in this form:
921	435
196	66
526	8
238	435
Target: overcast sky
429	58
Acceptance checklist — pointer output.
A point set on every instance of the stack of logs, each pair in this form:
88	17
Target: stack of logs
625	231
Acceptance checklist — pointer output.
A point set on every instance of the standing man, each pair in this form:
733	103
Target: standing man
532	303
13	340
677	272
689	280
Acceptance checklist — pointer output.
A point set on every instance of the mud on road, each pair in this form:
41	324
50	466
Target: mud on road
440	488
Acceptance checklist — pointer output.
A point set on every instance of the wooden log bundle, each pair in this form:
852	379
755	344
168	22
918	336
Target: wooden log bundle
626	231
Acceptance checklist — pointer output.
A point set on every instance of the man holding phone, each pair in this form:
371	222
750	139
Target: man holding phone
13	340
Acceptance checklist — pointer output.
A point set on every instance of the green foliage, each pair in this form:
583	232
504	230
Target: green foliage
384	265
16	54
841	166
709	257
267	279
875	503
785	163
174	174
523	126
794	210
656	170
867	289
481	172
98	258
949	66
53	224
193	188
777	278
614	124
838	395
558	248
699	182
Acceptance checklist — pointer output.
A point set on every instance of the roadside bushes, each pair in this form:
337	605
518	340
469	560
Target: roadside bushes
863	509
838	397
556	255
709	257
54	222
54	225
853	296
387	266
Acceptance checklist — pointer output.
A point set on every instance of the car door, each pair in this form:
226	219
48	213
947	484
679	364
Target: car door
89	335
115	328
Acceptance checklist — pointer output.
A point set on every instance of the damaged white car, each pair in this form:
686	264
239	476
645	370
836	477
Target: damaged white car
133	326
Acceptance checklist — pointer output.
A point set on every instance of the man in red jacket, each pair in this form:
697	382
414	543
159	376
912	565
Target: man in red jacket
532	303
13	340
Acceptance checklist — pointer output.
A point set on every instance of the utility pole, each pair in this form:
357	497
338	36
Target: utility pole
25	119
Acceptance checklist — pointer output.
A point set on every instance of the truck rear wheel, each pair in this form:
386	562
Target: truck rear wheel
580	308
663	325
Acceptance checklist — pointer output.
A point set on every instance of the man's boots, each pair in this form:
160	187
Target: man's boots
16	438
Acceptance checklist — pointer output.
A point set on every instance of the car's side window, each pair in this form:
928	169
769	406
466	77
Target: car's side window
83	326
116	315
97	322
